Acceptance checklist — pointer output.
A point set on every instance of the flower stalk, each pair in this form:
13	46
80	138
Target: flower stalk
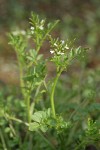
52	94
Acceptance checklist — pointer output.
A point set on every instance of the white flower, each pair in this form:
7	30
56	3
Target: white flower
42	21
32	28
55	44
66	47
19	32
60	53
41	27
62	41
51	51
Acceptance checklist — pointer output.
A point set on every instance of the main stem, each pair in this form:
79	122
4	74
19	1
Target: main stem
52	95
28	109
3	140
22	84
21	75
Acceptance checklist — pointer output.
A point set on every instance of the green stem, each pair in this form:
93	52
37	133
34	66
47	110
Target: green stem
52	94
22	85
3	140
39	43
28	109
16	119
34	101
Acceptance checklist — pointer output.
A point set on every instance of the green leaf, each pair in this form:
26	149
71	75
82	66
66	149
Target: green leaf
49	112
44	128
1	111
37	116
34	126
94	106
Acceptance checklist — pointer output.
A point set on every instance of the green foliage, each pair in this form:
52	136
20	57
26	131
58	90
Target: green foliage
92	132
61	120
44	121
65	52
40	30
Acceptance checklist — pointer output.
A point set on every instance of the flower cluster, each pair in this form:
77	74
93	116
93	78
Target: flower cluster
59	47
19	32
59	50
32	30
39	26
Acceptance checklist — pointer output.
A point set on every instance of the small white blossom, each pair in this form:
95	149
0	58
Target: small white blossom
66	47
42	21
20	32
32	28
41	27
60	53
55	44
63	41
51	51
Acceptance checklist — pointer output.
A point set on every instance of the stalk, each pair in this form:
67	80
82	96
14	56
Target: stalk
52	94
21	76
28	109
22	85
16	119
3	140
25	96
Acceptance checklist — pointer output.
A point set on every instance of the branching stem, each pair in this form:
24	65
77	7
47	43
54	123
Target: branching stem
52	94
3	140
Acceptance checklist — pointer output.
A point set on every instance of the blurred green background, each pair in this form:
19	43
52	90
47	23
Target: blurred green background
80	19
